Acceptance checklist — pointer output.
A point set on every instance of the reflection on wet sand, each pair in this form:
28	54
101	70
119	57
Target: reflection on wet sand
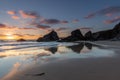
53	50
89	45
78	48
13	71
45	51
28	56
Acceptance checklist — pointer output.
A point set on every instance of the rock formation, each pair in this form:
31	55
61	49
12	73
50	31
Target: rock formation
52	36
107	34
75	36
19	40
89	36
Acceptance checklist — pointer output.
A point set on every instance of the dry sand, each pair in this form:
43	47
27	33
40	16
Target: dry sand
75	69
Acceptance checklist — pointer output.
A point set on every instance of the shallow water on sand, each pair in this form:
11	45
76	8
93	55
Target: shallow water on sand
15	56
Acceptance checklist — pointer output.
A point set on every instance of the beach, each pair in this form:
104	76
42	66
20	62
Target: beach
99	63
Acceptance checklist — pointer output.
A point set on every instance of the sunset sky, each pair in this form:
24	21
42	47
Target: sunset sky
30	19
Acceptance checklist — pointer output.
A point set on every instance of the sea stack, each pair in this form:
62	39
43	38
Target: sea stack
52	36
89	36
76	35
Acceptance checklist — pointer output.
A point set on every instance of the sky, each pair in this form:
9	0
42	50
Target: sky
30	19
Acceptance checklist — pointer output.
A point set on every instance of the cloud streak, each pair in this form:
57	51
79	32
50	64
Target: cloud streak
107	11
112	20
15	17
43	26
2	25
61	29
53	21
75	21
29	14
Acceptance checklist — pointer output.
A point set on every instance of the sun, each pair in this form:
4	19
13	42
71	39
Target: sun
10	37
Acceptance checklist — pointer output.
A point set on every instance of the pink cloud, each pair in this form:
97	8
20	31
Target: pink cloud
112	20
75	21
109	14
109	11
90	16
28	14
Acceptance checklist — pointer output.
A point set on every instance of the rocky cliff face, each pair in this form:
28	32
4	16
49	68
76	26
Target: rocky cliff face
107	34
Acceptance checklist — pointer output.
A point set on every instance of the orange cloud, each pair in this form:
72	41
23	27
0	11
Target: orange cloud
11	12
15	17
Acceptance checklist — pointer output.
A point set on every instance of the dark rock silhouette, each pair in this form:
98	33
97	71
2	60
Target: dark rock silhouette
116	31
75	36
77	48
52	49
89	36
52	36
107	34
19	40
116	38
103	35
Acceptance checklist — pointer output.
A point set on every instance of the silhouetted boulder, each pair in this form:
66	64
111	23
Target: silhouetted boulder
89	36
75	36
19	40
52	36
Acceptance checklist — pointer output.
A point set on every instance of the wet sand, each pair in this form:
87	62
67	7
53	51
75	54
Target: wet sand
73	69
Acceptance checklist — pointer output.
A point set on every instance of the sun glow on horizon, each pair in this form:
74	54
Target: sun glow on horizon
10	36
